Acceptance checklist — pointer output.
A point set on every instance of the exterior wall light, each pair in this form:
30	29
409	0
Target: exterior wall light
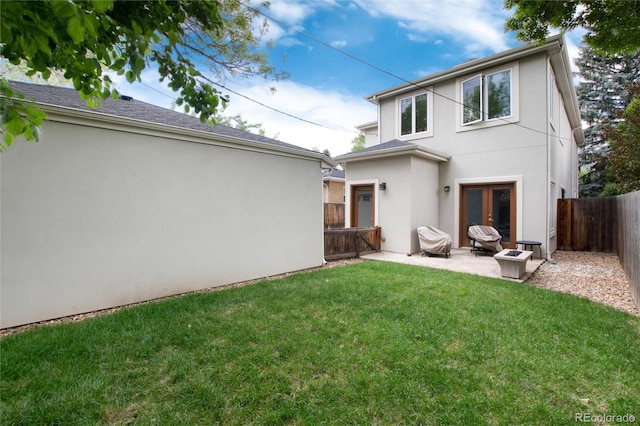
383	186
447	188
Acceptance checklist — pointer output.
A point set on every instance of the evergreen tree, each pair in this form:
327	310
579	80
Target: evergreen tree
603	95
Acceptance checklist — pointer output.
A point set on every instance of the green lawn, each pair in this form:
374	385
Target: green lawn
370	343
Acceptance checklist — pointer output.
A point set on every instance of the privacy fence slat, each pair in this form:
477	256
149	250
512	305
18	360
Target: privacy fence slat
350	242
587	224
333	215
628	230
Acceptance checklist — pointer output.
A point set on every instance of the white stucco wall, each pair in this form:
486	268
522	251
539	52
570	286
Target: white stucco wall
409	201
563	151
94	218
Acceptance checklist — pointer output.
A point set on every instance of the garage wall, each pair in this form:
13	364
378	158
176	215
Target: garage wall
93	218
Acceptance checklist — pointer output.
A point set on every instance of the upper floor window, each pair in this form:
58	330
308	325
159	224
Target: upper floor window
487	97
415	115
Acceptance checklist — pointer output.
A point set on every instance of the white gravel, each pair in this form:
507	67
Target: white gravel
595	276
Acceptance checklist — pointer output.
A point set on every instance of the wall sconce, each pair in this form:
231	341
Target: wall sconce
447	188
383	186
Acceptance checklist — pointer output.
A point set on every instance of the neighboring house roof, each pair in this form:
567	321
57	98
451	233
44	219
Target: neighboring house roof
333	174
142	112
368	127
393	148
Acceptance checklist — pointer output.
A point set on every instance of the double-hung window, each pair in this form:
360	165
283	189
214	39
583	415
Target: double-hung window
415	115
487	97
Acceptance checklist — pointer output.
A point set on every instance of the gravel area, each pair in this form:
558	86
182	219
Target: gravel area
595	276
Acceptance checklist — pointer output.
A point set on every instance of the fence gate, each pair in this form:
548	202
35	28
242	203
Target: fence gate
350	242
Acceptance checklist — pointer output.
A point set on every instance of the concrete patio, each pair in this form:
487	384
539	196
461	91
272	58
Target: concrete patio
460	260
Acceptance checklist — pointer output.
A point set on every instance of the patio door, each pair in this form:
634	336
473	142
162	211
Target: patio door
492	205
362	206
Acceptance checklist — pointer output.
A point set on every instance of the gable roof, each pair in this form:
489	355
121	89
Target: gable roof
393	148
67	100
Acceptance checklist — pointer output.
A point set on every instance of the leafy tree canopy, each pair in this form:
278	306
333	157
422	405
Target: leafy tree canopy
357	143
237	122
87	40
625	149
612	24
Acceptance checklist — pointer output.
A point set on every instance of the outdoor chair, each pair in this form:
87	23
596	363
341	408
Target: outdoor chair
484	238
434	241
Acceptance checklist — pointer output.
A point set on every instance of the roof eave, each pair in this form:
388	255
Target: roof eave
416	150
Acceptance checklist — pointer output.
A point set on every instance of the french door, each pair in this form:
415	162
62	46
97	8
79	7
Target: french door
492	205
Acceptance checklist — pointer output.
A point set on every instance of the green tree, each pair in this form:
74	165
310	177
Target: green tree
624	140
87	40
237	122
612	25
603	94
357	143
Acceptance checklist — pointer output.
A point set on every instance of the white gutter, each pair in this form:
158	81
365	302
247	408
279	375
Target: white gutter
101	120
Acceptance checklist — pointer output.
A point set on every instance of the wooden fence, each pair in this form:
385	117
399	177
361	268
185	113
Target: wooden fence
350	242
604	225
628	248
588	224
333	215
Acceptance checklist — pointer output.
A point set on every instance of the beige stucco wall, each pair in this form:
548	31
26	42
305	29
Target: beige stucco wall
501	153
94	218
409	201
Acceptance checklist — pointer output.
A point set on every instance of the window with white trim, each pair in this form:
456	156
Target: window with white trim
415	115
487	97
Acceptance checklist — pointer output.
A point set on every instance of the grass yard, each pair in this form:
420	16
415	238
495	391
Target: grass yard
370	343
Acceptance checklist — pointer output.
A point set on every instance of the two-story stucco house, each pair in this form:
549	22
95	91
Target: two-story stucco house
491	141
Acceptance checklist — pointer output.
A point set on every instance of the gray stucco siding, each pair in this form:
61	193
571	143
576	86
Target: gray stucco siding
95	217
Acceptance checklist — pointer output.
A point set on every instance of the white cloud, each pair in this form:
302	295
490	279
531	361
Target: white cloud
339	44
337	114
477	23
289	12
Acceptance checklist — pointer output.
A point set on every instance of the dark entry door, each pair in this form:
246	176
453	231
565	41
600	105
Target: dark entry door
492	205
362	206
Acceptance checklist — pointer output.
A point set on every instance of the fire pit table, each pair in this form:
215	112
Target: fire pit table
513	263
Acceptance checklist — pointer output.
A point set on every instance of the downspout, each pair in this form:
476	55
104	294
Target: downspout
574	173
549	141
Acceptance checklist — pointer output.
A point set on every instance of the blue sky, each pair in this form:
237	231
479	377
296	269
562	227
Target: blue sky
406	38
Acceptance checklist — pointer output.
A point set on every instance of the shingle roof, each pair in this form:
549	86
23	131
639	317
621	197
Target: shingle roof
333	173
137	110
387	145
392	148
